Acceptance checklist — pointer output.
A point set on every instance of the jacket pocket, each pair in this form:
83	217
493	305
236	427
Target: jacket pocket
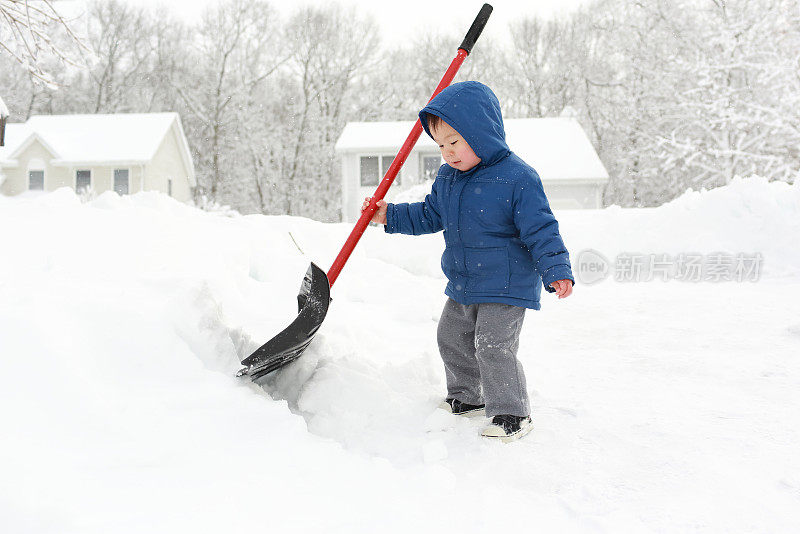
447	264
488	270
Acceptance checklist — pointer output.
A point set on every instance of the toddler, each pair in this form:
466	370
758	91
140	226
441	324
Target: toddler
501	245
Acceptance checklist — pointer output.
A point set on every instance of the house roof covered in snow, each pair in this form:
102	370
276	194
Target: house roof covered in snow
131	138
16	134
558	148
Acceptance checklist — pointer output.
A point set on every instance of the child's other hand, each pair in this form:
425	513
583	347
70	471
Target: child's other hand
563	288
380	214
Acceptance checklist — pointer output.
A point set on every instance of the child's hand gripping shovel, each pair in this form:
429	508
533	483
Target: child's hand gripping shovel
314	296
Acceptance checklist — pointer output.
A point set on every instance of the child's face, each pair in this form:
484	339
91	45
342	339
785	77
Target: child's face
455	150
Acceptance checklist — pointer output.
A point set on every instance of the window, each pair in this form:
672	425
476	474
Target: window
83	181
373	169
386	162
169	187
36	180
369	170
121	181
430	165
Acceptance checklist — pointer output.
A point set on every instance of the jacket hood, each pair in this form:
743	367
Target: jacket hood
474	111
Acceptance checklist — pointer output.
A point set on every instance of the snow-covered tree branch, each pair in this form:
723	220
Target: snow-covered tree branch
26	34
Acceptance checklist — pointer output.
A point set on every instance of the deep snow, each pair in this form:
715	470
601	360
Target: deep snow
658	406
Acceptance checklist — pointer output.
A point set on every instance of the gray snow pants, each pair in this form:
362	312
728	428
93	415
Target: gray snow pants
478	344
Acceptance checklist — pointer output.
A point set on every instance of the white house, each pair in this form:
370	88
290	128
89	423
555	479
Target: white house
558	148
126	153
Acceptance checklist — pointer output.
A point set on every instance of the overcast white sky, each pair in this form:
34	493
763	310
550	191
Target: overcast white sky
401	19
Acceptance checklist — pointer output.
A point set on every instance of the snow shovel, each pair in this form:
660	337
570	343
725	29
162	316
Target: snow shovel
315	291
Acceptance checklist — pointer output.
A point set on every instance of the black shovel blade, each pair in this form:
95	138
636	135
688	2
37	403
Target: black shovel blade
312	302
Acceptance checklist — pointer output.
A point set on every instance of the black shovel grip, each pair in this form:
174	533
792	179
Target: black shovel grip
476	28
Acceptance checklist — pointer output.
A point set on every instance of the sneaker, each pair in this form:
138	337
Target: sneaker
457	407
508	427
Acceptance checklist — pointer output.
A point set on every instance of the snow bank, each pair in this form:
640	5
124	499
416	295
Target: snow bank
121	324
750	215
657	407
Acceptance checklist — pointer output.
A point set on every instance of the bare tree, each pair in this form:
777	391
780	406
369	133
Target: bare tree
532	65
3	117
331	45
119	36
239	49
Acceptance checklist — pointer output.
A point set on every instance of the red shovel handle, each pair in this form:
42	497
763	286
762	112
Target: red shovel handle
366	216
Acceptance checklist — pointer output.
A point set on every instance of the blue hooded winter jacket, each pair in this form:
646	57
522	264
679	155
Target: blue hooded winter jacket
501	239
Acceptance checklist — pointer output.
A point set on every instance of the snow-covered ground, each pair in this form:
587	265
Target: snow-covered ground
662	406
